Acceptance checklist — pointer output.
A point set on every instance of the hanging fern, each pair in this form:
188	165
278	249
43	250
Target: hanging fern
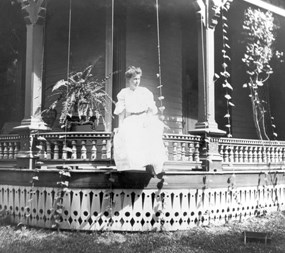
259	28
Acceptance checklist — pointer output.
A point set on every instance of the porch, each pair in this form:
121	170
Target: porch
73	183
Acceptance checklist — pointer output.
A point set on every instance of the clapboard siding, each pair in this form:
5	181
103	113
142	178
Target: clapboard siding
141	50
242	118
87	43
276	83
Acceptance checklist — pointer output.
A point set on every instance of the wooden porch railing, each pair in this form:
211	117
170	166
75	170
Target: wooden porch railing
183	151
9	147
251	154
97	147
77	148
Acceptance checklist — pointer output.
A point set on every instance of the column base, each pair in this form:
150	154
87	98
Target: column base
212	160
31	124
27	155
209	131
209	128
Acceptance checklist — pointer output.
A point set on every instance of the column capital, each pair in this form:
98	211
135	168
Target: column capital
34	11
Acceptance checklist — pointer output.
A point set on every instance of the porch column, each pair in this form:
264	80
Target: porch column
34	15
208	13
109	61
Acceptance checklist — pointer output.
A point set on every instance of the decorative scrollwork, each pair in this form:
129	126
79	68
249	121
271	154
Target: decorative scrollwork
34	11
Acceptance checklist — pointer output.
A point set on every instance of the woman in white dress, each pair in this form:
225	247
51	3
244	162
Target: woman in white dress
138	140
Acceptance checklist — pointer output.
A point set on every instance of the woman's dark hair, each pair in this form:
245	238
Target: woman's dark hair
132	71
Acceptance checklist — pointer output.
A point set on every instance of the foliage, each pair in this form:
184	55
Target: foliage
259	31
226	62
58	208
227	238
82	95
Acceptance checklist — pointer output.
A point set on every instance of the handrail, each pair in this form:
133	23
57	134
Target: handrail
93	147
253	154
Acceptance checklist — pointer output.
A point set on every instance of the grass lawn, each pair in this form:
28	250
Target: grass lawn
225	238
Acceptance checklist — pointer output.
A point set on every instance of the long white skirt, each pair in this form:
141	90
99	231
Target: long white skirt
139	143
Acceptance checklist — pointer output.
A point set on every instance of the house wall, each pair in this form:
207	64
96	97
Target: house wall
277	87
141	50
87	42
272	91
12	66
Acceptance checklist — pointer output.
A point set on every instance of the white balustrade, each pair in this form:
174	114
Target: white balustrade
182	147
255	152
76	146
9	147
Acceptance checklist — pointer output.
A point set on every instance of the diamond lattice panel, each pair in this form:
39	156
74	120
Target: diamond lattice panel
137	210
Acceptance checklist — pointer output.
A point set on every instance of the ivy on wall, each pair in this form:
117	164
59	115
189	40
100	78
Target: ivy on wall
225	75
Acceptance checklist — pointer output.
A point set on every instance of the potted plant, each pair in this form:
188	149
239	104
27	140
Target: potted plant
83	99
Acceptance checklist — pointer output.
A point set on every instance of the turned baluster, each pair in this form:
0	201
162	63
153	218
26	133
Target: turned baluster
254	155
264	154
174	151
83	150
267	154
259	154
48	156
1	151
196	152
93	150
240	154
226	153
178	156
231	154
5	153
10	151
271	155
250	160
64	150
73	150
275	154
16	150
236	154
55	151
104	150
191	151
278	155
42	150
183	151
283	154
245	154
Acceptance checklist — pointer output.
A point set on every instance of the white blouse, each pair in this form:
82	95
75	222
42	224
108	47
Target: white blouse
135	101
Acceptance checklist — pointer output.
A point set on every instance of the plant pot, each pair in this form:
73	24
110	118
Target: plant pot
81	125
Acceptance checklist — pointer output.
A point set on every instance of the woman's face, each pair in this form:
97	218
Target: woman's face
134	81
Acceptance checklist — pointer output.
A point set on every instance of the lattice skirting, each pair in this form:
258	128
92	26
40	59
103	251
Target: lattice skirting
137	210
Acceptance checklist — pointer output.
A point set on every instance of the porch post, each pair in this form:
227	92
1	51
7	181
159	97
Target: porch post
109	60
208	13
34	15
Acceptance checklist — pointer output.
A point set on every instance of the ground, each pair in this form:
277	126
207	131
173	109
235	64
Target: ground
223	238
